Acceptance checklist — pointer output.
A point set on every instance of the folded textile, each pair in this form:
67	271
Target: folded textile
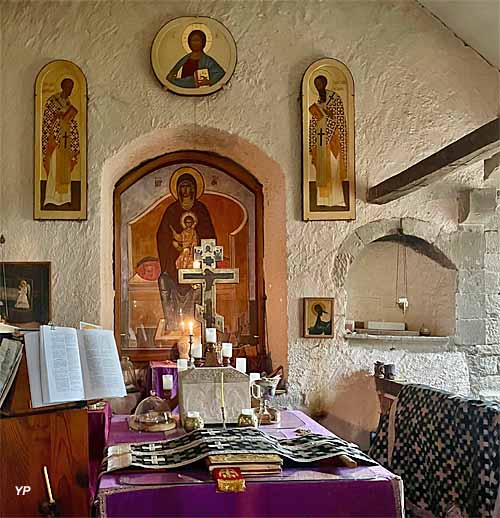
445	447
200	444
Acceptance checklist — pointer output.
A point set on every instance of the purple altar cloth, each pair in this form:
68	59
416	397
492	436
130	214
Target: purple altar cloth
320	490
99	424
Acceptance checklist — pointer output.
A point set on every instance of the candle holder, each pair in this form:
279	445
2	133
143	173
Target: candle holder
191	362
211	356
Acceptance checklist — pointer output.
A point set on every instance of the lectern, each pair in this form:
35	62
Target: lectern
30	438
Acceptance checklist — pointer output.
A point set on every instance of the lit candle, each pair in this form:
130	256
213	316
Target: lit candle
182	326
211	335
227	349
197	350
241	364
182	364
190	327
196	265
168	381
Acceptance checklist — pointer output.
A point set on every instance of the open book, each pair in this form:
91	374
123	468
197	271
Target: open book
11	352
69	365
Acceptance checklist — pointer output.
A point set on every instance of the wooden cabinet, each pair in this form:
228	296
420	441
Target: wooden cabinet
58	440
30	438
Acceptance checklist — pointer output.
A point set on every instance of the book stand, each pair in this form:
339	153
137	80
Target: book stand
55	436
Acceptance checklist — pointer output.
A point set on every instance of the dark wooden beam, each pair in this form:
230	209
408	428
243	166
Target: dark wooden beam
478	145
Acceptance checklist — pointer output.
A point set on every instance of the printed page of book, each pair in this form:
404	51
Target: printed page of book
10	359
32	346
60	362
102	373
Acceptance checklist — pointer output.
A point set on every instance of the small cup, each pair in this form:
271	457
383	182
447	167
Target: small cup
379	369
390	371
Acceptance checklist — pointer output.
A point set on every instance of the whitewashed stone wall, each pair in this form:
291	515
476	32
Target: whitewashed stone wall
418	88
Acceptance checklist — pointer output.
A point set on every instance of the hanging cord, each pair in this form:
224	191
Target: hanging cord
397	274
4	281
406	270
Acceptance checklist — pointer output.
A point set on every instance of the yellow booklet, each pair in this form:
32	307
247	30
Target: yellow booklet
245	458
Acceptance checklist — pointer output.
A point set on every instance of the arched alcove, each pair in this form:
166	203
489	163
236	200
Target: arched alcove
225	148
430	250
401	266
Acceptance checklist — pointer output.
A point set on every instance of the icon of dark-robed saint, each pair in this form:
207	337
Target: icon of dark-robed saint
318	317
321	325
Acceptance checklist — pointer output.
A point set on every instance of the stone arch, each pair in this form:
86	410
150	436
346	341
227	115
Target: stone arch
247	155
436	246
420	235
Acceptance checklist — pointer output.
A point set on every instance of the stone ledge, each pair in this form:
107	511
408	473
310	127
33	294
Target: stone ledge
413	343
490	395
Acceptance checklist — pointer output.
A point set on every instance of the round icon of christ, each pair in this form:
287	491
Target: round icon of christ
193	55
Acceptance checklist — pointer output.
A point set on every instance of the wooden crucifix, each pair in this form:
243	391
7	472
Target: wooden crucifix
208	276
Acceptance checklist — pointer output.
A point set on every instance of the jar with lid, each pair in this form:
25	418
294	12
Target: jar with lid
193	421
248	418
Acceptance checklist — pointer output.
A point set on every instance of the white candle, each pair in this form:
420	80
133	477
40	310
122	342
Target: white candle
211	335
168	381
241	364
182	364
196	265
227	349
254	376
197	350
190	327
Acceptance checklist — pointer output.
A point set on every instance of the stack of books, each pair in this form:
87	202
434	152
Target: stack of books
248	464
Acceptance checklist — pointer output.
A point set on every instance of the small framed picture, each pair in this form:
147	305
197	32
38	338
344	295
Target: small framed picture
318	317
25	293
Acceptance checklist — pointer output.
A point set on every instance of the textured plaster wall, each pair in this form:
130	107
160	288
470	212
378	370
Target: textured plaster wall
417	88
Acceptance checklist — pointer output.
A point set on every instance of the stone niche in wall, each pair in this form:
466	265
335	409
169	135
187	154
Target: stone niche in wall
403	266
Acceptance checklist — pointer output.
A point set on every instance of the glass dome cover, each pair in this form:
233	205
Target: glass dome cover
152	410
152	415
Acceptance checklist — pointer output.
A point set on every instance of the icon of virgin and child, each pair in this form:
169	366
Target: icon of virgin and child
184	224
196	69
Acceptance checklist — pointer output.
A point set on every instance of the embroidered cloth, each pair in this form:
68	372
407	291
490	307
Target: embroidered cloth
199	444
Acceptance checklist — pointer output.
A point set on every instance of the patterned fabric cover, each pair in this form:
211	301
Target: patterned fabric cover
446	449
200	444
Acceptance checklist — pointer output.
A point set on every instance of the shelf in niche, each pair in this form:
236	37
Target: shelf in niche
439	342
